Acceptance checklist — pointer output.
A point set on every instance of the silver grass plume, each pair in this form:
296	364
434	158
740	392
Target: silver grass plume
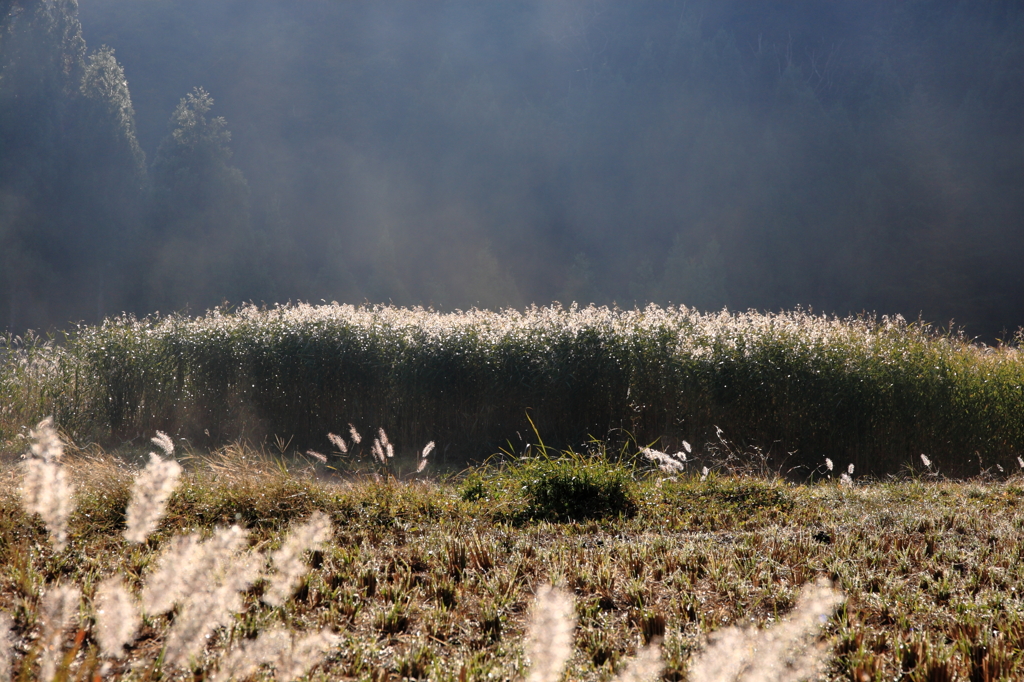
153	487
45	490
789	650
290	654
288	560
164	442
213	600
303	653
385	444
354	435
242	660
59	612
670	464
646	666
117	617
423	457
549	635
338	442
6	648
187	566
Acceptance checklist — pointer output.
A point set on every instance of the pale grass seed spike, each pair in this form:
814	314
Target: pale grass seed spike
423	458
789	651
164	442
58	613
213	603
152	488
117	617
311	535
45	488
338	442
6	647
549	635
646	666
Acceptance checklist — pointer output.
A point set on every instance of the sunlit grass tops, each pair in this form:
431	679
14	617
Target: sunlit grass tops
873	392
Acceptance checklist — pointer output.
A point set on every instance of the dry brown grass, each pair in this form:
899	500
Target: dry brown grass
424	580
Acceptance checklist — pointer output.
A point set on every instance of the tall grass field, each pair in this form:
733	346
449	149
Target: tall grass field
677	496
795	387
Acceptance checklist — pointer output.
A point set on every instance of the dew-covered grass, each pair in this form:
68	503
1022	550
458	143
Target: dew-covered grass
876	393
433	579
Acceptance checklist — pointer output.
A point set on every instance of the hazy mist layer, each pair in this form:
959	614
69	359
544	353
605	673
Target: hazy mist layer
839	155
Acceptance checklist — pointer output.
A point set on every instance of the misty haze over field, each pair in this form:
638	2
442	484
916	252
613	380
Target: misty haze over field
843	155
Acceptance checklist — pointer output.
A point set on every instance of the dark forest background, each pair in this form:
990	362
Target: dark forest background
842	155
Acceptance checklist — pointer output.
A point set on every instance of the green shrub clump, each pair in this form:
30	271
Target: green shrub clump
574	487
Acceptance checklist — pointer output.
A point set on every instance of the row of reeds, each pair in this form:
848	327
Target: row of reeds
876	393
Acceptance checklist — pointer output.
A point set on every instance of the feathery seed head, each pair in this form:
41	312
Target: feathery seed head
378	452
338	442
164	442
45	488
356	438
926	461
317	456
6	647
58	612
549	634
117	617
152	488
646	666
47	446
671	464
828	464
311	535
789	650
211	606
188	567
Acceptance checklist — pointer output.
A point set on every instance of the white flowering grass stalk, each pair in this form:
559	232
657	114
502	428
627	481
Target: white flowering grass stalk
289	654
45	490
302	653
117	617
423	457
164	442
646	666
788	651
187	567
668	463
152	489
311	535
549	636
6	648
338	442
211	606
58	612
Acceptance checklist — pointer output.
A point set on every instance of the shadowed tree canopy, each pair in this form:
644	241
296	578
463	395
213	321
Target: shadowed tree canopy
72	174
201	211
